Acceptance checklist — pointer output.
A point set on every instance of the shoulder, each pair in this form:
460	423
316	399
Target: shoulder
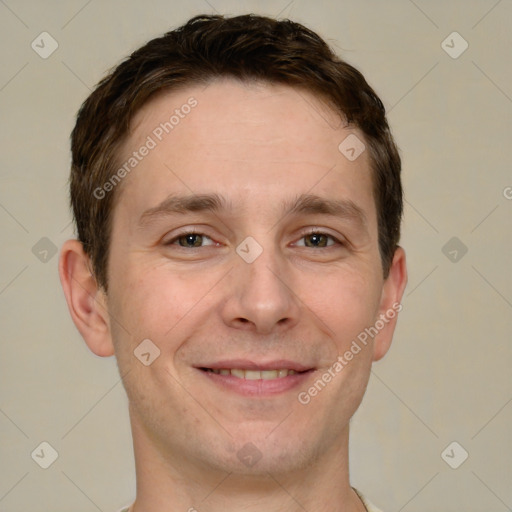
370	507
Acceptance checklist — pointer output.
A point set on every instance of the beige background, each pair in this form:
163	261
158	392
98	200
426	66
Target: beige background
447	377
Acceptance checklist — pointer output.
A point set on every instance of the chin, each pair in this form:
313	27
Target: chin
258	455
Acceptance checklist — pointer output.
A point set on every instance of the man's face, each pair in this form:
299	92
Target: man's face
262	162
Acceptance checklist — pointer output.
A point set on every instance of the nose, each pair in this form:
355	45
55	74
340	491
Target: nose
260	296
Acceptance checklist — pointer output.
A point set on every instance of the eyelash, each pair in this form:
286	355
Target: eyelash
311	232
314	231
174	240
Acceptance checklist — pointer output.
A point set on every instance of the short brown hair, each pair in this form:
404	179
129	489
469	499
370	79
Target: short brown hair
246	48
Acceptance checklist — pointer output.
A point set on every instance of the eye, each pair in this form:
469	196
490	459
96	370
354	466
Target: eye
317	239
191	240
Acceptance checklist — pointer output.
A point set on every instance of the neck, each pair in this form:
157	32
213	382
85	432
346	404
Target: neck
168	483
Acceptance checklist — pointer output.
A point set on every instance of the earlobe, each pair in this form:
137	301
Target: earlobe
390	304
86	301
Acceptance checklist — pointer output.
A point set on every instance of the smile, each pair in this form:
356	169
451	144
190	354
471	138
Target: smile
253	374
256	380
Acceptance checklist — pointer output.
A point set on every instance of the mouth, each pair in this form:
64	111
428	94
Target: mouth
241	373
252	379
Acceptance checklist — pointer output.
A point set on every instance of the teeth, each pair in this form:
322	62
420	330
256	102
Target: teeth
254	374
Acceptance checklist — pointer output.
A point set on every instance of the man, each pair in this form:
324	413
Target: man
237	196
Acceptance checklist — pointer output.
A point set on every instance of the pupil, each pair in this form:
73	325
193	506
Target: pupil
317	240
192	240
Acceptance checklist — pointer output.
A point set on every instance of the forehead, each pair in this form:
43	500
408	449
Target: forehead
234	115
250	140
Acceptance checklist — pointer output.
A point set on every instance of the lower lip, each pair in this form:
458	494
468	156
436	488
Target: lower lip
258	387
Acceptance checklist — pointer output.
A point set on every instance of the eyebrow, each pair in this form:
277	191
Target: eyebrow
304	204
184	204
343	208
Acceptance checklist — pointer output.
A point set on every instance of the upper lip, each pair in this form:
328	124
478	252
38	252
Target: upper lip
246	364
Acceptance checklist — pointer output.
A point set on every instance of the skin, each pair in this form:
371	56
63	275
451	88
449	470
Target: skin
303	299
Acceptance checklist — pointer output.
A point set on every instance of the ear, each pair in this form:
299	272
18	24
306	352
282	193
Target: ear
390	305
86	301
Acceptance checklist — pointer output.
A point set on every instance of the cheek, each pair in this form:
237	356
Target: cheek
147	304
152	302
346	302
